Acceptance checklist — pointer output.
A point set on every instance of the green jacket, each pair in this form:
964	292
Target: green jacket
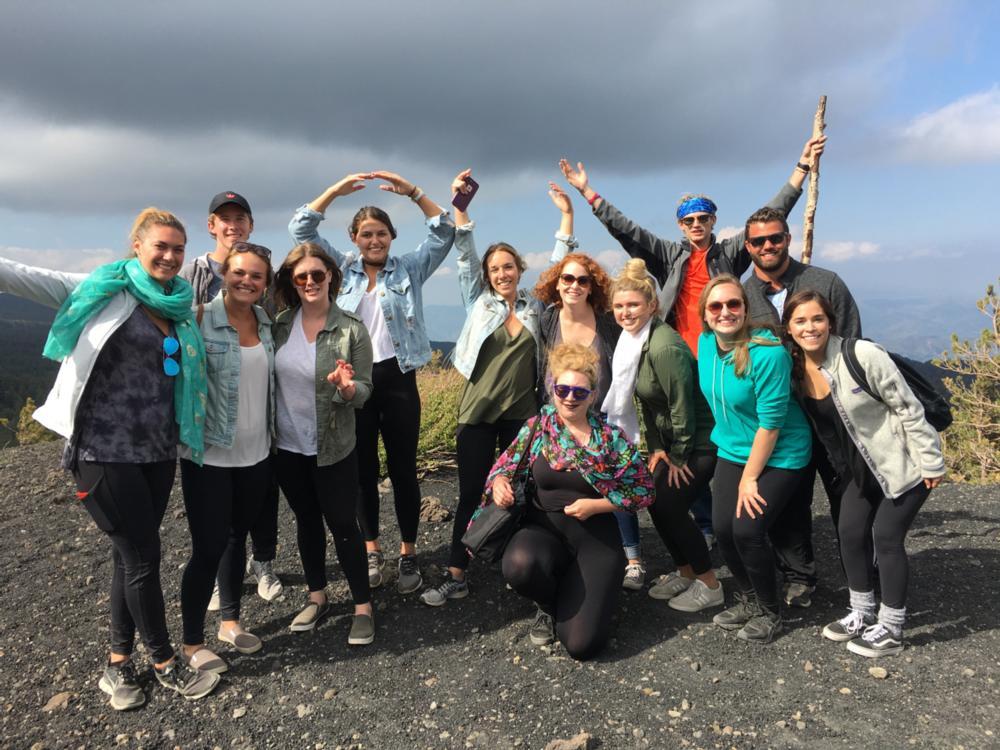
675	415
344	337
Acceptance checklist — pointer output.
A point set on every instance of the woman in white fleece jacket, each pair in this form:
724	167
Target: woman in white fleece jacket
889	459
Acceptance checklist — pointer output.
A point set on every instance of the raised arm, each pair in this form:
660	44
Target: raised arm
304	226
470	277
41	285
565	241
401	186
423	261
810	153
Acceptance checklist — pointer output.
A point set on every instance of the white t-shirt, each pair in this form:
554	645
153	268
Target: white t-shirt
295	372
252	441
370	312
778	300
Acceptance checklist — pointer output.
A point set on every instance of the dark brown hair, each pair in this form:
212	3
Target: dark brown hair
496	247
547	288
285	295
370	212
765	216
797	299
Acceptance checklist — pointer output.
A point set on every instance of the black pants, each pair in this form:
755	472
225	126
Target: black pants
886	523
394	411
264	529
791	534
680	532
127	502
573	570
744	540
330	492
476	448
221	503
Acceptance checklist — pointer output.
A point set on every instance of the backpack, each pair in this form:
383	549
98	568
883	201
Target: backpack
936	408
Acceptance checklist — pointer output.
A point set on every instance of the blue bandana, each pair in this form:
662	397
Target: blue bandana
695	205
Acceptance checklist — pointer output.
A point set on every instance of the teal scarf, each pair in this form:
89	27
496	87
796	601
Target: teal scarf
173	303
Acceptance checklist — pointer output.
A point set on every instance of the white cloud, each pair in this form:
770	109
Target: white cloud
444	271
611	260
967	130
72	260
847	250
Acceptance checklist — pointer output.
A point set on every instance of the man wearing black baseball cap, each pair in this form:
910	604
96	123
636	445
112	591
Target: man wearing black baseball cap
230	220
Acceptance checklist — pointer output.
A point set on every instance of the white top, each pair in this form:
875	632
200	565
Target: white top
251	443
778	300
295	372
370	312
619	404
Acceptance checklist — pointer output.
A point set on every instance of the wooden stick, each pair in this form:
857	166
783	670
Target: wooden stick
808	223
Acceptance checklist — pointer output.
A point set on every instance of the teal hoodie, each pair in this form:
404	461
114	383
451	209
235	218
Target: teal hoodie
761	398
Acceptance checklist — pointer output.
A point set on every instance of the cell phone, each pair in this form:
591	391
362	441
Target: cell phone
462	200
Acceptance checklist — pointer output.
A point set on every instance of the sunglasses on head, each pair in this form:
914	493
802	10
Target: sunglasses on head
775	239
578	393
568	279
702	219
733	304
317	277
170	347
249	247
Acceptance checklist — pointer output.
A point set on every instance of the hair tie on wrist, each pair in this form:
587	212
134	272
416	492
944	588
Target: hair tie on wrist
416	195
593	198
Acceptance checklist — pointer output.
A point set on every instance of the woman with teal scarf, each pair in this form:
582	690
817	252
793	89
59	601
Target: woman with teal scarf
131	386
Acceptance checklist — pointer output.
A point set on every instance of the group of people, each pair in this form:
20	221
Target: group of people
259	379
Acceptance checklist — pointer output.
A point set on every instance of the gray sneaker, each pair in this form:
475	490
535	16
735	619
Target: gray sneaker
269	585
798	595
409	575
543	630
362	630
122	684
740	614
450	589
669	586
635	577
698	597
761	628
376	561
190	683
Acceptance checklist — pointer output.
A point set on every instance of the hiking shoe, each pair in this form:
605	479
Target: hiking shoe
697	597
244	642
740	614
409	575
876	640
635	577
362	631
452	588
191	683
848	628
669	586
376	561
122	683
761	628
543	630
269	585
309	616
798	595
213	603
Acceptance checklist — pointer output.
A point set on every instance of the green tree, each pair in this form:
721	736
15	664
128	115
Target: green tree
972	443
29	431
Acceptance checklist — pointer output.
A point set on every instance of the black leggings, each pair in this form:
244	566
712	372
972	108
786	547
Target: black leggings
886	523
677	529
394	411
127	502
744	540
573	570
476	449
264	529
325	492
221	502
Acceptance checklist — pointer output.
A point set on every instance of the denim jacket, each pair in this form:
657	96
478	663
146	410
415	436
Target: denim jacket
222	356
399	283
344	337
485	309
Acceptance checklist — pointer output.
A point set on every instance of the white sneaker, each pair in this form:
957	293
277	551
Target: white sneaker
213	603
669	586
269	585
697	597
635	577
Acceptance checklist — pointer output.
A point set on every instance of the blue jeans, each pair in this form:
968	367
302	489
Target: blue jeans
628	529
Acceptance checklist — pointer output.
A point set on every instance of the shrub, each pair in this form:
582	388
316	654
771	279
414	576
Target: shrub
29	431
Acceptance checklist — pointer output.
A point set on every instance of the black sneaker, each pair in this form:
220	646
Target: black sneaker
876	641
191	683
799	595
409	575
543	630
848	628
739	614
761	628
122	684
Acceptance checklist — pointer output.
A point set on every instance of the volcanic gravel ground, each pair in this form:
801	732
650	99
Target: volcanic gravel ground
466	675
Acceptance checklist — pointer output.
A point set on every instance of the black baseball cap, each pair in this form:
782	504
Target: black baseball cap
228	196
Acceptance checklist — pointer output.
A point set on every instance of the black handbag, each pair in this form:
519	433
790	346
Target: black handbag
492	528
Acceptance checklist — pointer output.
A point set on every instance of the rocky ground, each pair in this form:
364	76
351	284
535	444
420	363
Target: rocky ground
466	675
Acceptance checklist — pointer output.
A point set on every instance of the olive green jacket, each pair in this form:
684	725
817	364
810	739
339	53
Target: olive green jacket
345	337
675	415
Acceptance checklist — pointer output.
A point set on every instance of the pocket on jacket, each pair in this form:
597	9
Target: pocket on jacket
92	493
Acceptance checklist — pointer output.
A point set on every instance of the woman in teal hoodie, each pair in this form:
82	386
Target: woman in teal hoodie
764	442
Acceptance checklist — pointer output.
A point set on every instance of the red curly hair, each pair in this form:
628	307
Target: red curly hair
547	288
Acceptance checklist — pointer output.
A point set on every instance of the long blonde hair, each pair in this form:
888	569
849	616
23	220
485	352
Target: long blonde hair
742	339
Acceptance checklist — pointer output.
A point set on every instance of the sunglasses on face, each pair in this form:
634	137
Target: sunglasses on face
170	365
774	239
734	305
568	279
702	219
301	279
258	250
565	391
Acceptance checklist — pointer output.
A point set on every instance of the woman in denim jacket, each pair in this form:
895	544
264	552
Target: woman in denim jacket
223	496
387	293
889	459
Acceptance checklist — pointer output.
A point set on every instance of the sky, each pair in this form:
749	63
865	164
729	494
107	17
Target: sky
108	107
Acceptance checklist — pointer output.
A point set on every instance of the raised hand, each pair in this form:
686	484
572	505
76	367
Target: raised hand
813	150
397	184
458	185
559	197
352	183
575	177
